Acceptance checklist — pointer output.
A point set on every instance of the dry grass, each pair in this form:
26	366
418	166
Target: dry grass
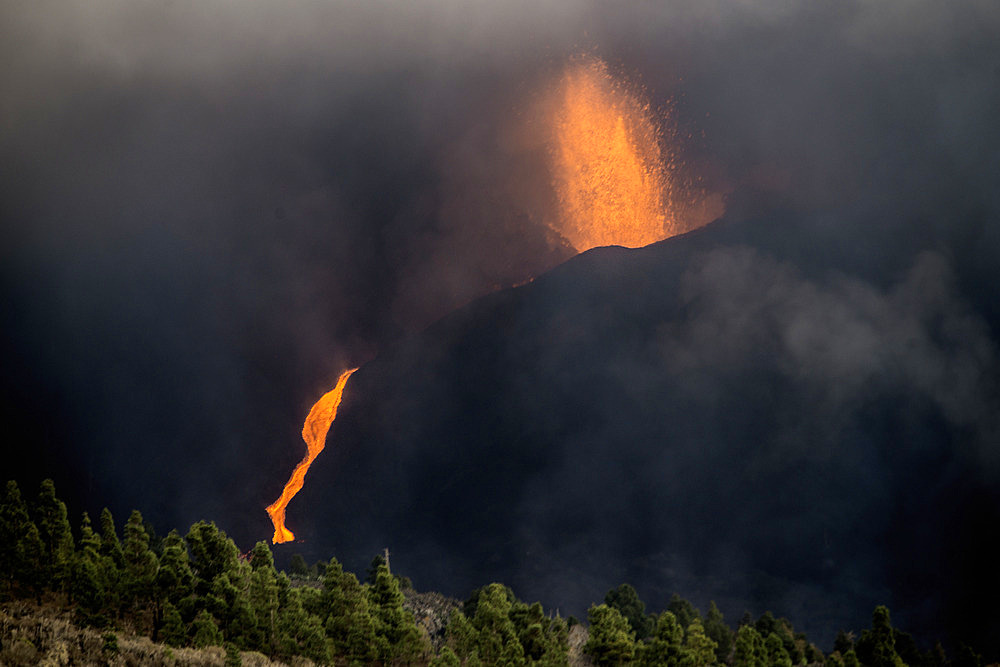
33	634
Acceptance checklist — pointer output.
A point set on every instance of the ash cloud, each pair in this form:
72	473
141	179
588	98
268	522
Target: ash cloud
207	210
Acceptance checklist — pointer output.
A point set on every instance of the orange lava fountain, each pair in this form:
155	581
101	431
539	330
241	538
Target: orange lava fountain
611	181
314	432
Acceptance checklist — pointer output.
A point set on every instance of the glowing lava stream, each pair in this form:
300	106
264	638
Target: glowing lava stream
314	432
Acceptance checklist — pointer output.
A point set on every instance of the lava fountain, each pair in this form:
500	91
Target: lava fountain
314	432
611	171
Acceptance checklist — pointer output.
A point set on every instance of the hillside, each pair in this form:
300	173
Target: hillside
752	413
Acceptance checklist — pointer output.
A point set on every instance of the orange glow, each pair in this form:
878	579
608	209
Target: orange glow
314	432
611	180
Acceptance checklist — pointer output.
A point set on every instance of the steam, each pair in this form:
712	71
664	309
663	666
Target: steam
843	343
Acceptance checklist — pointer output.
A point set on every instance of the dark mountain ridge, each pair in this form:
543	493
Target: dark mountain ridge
754	413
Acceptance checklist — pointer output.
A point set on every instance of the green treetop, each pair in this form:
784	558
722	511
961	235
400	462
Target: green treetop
777	656
626	600
748	649
611	641
665	647
877	647
699	650
719	632
141	565
393	624
56	536
212	553
21	548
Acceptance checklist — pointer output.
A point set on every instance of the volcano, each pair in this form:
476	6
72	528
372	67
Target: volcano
726	414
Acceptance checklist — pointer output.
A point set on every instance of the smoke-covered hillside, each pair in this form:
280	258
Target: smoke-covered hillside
740	414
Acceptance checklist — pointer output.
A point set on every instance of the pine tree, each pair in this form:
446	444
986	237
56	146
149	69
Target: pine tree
229	603
298	566
261	557
262	595
611	639
843	643
877	646
112	559
173	632
684	611
206	632
719	632
497	636
21	548
233	657
767	624
89	587
446	658
56	536
462	636
699	650
347	618
665	646
174	579
557	647
907	649
372	572
312	598
110	545
777	656
748	649
301	633
212	554
542	639
626	600
139	571
393	624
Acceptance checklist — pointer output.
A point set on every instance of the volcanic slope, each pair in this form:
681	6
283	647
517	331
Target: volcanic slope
754	412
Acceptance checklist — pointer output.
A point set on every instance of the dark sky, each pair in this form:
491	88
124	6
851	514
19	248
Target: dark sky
208	210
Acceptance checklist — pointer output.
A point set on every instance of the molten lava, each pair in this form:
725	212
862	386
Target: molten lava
607	163
314	432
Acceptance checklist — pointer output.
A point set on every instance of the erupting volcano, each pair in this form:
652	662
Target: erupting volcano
612	182
314	432
616	183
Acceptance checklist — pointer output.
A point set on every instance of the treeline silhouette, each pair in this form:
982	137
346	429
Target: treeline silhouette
198	590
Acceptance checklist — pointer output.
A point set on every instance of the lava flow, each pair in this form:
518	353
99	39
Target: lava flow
314	432
607	160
